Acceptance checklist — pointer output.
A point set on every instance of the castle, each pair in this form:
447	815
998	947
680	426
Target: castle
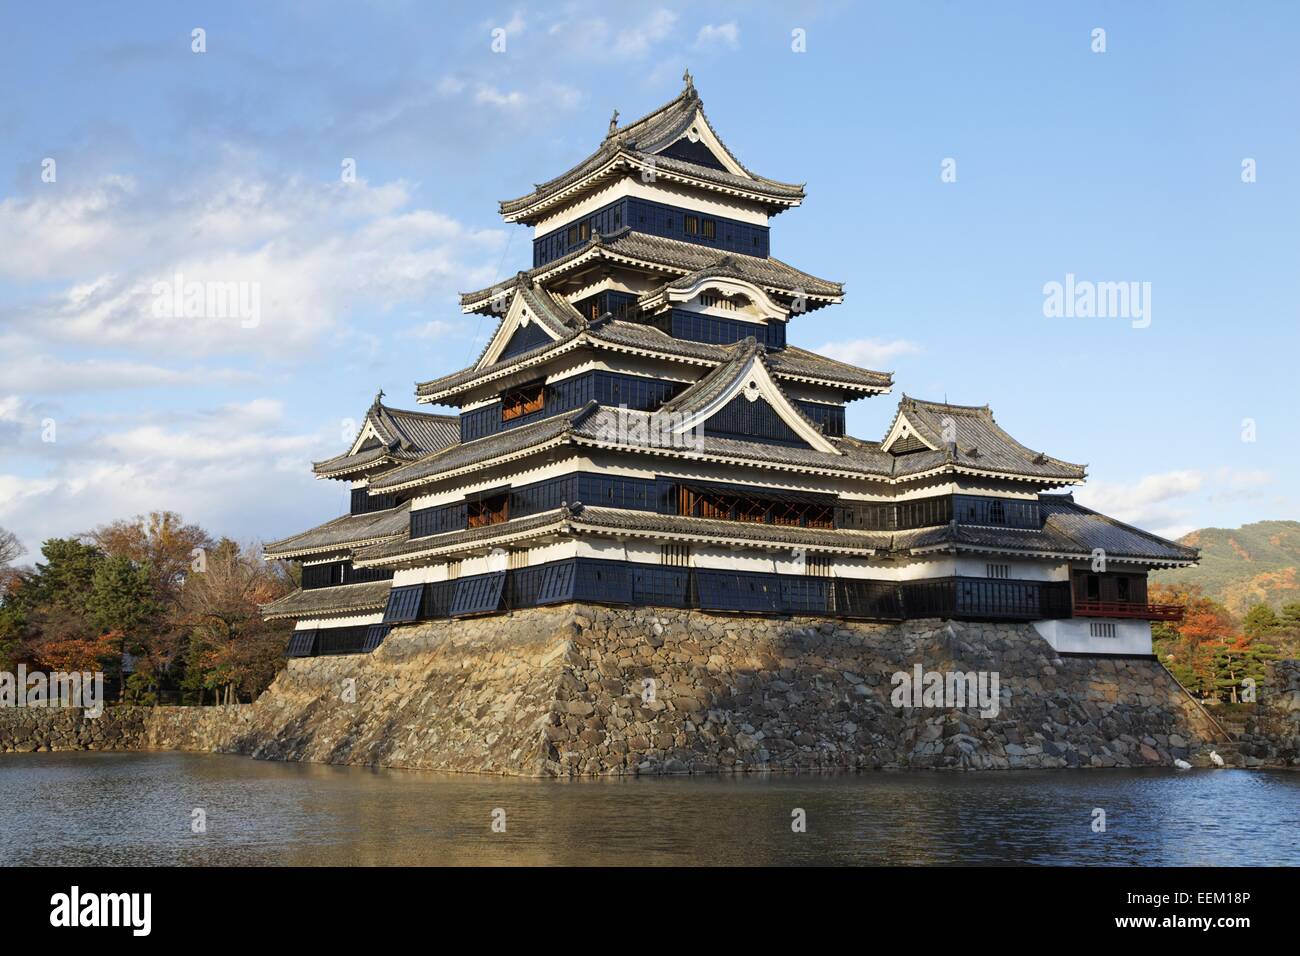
638	431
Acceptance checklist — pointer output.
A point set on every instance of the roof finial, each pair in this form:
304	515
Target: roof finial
379	396
613	123
689	80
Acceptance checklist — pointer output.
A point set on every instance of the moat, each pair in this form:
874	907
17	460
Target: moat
121	809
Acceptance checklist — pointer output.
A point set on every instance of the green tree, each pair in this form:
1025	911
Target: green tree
1260	621
122	604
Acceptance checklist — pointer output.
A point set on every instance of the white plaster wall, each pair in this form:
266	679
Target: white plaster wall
661	192
1073	636
355	620
975	566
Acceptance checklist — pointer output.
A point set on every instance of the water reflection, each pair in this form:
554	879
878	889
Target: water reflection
135	809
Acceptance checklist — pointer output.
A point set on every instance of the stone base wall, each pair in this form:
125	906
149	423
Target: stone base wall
122	728
562	691
1272	733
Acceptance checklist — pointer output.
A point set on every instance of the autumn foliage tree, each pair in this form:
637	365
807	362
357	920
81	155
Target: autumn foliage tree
229	649
1206	651
158	593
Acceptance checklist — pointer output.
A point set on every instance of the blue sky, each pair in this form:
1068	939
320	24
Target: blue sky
225	166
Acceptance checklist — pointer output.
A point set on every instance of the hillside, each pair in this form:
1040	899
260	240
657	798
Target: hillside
1242	566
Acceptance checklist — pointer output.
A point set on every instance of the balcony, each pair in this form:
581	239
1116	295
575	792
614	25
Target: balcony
1128	609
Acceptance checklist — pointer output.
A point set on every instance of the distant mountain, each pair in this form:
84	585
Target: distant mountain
1255	563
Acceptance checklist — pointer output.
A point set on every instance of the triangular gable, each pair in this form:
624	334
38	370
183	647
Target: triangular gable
693	151
905	436
700	140
751	381
369	432
519	317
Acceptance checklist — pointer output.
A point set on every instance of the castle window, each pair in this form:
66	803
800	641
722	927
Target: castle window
675	555
517	559
817	565
1122	592
488	511
692	225
996	570
523	401
708	229
584	231
453	569
1101	629
573	235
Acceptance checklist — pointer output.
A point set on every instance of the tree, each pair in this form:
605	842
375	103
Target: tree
229	648
1260	621
1189	647
122	605
162	540
11	549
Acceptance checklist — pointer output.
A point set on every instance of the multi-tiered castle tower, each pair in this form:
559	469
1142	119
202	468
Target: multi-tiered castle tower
638	431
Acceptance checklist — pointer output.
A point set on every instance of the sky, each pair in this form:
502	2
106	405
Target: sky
344	162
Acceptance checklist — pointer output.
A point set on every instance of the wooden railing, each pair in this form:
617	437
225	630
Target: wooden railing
1128	609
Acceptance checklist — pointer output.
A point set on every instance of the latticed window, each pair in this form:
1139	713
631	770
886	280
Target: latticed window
523	401
453	569
817	565
754	508
517	559
675	555
751	509
488	511
996	570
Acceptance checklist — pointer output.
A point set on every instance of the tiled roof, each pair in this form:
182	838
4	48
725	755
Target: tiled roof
502	445
615	520
637	145
577	518
700	395
348	531
403	436
407	547
790	363
602	426
336	600
980	443
678	256
717	380
1068	529
1095	530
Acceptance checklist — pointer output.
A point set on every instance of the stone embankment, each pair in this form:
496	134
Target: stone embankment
584	690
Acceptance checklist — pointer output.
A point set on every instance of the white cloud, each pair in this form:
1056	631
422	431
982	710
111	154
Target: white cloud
35	374
306	253
721	35
490	96
636	40
1154	502
239	466
869	353
439	329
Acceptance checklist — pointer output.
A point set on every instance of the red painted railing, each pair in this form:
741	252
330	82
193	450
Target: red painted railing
1145	612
